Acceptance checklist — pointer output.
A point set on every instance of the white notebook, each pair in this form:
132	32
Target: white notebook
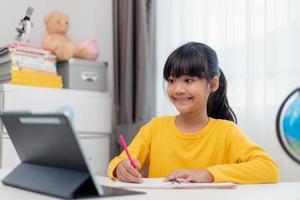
158	183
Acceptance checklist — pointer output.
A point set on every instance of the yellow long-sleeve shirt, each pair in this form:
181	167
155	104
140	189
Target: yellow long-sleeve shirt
220	147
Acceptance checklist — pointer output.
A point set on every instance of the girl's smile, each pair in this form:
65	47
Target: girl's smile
182	100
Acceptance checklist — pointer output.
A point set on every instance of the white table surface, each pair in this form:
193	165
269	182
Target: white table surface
282	191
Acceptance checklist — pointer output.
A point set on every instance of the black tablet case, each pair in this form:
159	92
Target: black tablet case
51	158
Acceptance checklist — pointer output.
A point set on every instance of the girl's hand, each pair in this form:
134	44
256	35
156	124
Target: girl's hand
126	173
196	176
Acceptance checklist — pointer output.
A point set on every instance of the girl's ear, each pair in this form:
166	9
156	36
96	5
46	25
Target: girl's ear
214	83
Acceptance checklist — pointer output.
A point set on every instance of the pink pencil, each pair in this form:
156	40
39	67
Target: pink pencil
123	143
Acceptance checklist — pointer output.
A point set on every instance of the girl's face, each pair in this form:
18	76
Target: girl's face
189	94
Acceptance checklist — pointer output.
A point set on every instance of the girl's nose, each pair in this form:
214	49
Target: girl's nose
179	88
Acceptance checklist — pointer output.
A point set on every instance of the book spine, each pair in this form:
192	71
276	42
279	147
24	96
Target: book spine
39	64
58	85
29	70
34	54
29	48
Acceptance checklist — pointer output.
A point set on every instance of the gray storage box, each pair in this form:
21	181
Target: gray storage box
83	74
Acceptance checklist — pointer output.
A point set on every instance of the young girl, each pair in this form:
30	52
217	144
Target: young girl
202	143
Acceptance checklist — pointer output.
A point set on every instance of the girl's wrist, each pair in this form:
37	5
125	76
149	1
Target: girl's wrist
208	176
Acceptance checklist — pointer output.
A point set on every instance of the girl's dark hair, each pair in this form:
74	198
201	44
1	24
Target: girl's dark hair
197	59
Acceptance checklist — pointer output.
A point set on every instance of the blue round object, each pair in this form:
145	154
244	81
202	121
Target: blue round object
288	125
291	120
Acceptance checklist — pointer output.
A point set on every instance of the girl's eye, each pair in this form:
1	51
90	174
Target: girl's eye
189	80
170	80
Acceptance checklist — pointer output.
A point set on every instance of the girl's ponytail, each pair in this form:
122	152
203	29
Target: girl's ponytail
217	104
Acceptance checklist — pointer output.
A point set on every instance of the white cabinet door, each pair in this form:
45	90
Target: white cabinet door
96	151
89	111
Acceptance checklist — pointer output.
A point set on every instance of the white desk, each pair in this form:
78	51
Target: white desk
280	191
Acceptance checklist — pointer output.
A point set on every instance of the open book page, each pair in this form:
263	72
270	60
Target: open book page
158	183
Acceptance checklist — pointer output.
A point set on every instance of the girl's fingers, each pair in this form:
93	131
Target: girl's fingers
137	163
182	180
189	179
122	174
181	174
127	177
121	177
170	176
126	173
176	174
131	170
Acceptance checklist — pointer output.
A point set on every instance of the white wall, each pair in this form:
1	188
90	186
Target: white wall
90	19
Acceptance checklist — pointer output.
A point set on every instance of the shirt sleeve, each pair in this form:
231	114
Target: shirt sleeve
248	163
139	149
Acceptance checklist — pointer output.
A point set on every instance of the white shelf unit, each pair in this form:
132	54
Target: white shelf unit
89	111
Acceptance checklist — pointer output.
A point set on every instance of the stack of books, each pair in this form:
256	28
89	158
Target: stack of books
5	75
28	65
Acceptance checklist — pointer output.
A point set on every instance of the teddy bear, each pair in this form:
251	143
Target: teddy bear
56	40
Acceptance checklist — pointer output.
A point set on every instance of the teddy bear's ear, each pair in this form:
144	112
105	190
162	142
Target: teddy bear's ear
46	19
